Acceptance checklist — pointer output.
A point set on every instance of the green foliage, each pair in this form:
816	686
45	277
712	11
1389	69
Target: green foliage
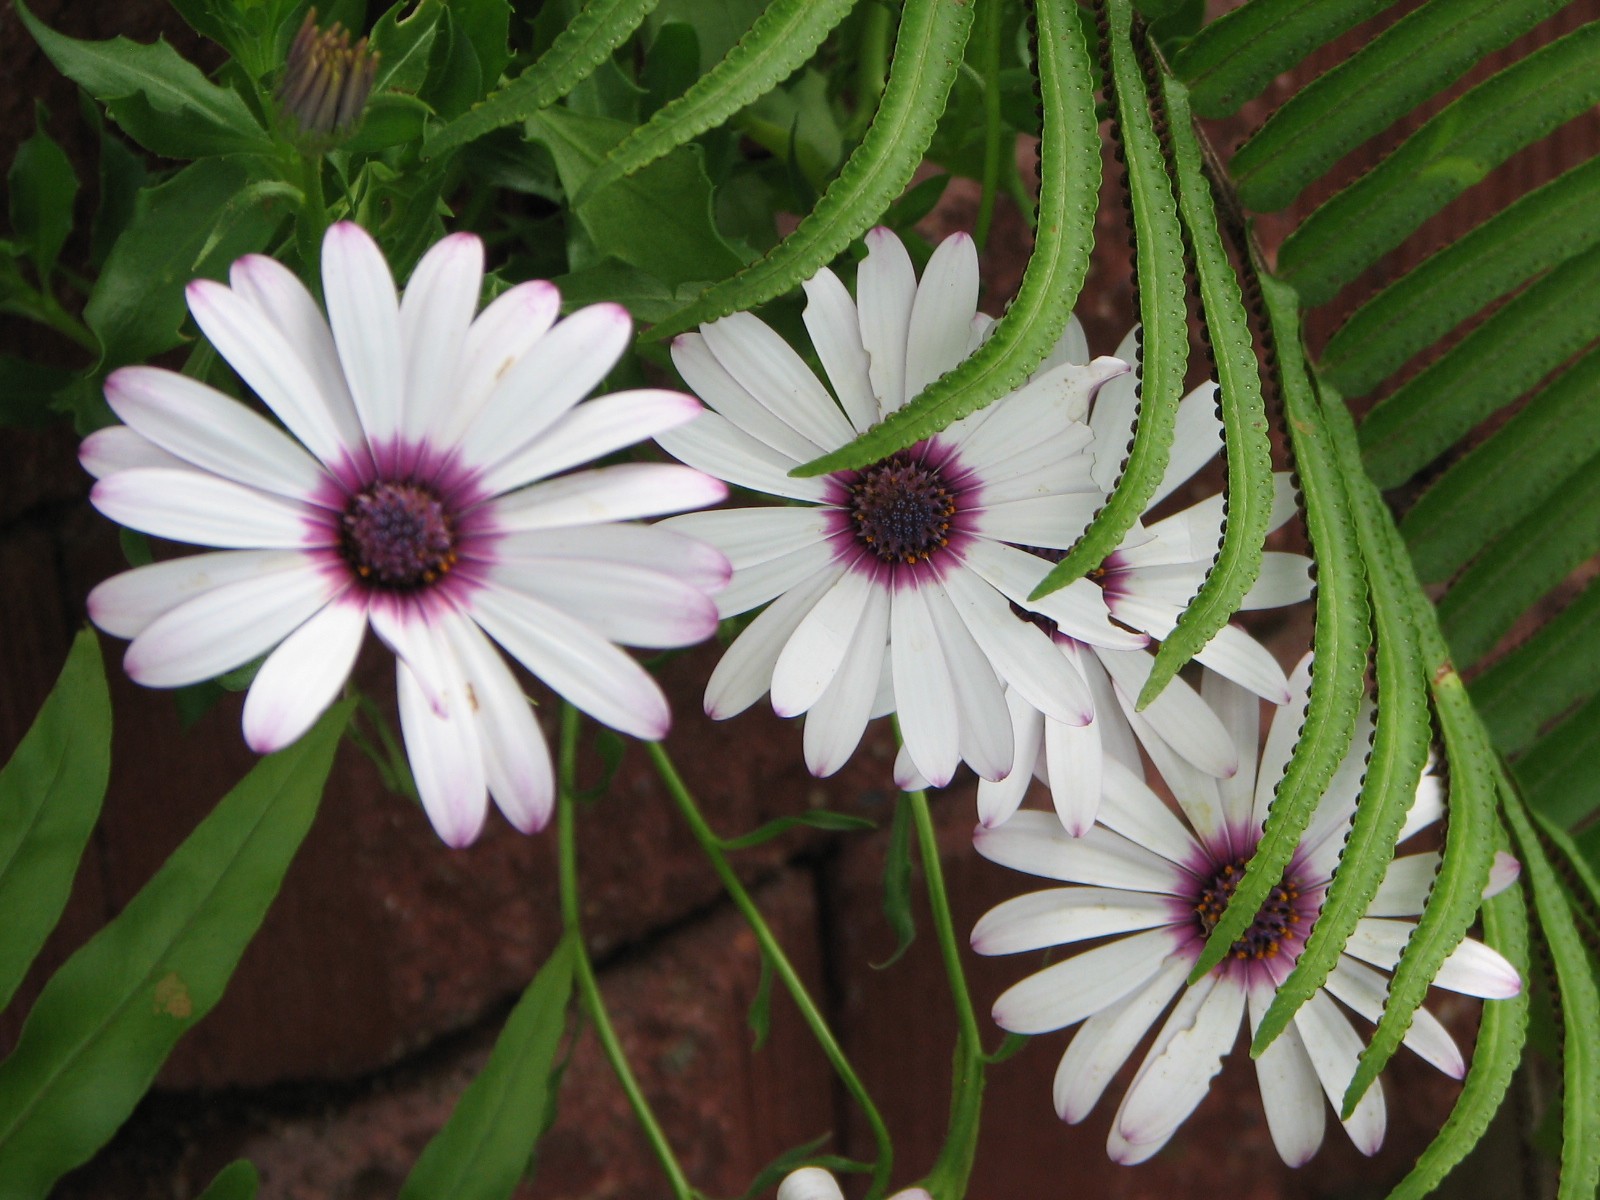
897	882
239	1180
483	1151
107	1019
816	818
1547	675
42	185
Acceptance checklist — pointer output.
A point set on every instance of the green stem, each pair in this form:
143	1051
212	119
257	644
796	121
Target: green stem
989	15
312	222
872	67
588	987
948	1179
712	845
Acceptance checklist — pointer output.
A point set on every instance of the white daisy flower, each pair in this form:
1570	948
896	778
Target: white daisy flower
813	1183
1164	882
394	495
894	588
1148	581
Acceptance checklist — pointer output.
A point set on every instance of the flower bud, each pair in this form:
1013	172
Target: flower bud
325	83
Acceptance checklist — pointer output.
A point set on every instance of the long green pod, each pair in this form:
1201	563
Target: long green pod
1248	497
1399	746
1468	845
583	45
1344	629
1580	1008
927	58
782	39
1236	56
1069	167
1501	1031
1438	162
1418	56
1158	244
1545	227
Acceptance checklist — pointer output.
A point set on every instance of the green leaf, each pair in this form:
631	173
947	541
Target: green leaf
1545	227
484	1150
1164	336
1441	160
405	46
594	33
1249	493
897	883
1498	361
1343	629
138	306
1236	56
643	295
455	80
122	176
783	38
25	392
1522	565
817	818
658	220
50	794
1551	672
1580	1009
760	1018
486	24
796	1157
43	186
917	203
159	97
1505	478
236	1181
671	66
1418	56
107	1019
926	59
390	119
1501	1030
1558	771
1399	745
1070	176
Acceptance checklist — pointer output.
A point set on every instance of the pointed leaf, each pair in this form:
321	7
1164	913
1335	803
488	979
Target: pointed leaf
1558	771
1556	669
817	818
236	1181
897	883
43	186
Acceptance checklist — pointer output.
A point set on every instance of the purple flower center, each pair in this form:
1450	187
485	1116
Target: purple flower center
398	536
901	510
1275	927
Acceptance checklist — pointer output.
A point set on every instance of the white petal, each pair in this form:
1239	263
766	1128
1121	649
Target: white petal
205	510
1019	650
446	761
1405	886
1333	1047
435	314
710	380
125	604
1137	813
277	371
1056	401
202	426
767	367
1115	407
818	646
654	546
1099	1049
754	535
1197	437
118	448
1364	990
226	627
1073	754
835	330
593	430
502	333
1282	734
1503	872
1290	1093
1071	347
1051	522
632	605
364	313
1240	713
886	288
745	672
516	760
941	314
1285	501
1067	992
755	585
1063	915
556	372
1284	579
716	446
1179	715
575	661
1034	842
1472	968
1426	808
836	721
1188	1053
924	693
620	493
1041	465
1190	536
303	675
1231	651
906	776
982	717
1078	608
997	800
809	1183
412	632
1117	738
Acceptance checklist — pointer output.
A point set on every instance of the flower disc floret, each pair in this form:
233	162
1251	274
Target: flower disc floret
901	510
398	535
